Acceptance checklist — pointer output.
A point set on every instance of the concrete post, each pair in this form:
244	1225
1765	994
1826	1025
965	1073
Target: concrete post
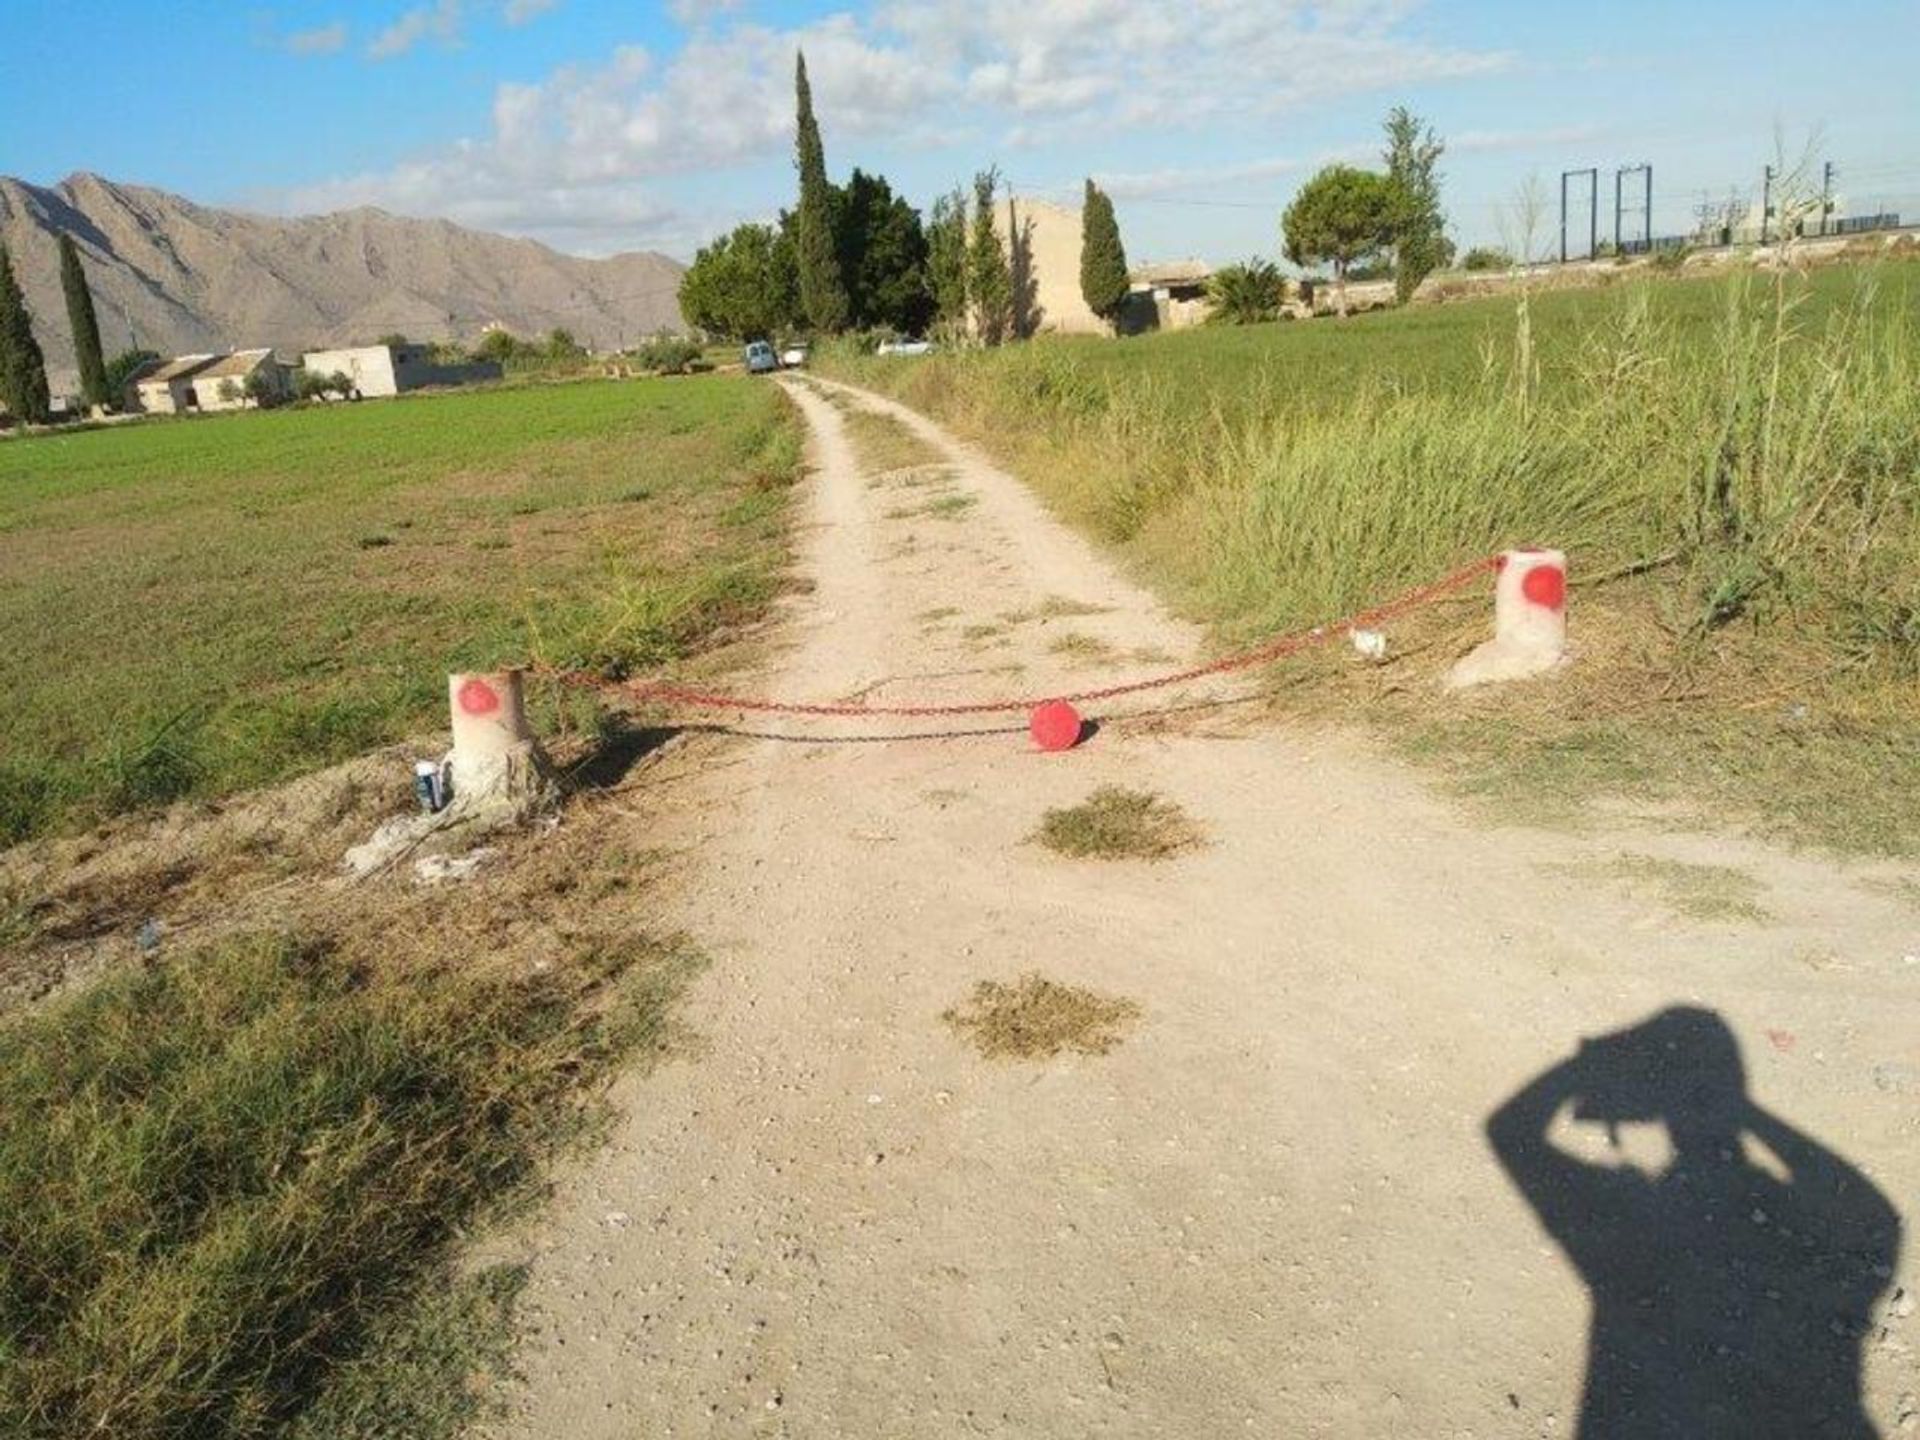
1529	621
496	760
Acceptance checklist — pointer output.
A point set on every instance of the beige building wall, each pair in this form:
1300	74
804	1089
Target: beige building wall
1051	238
369	367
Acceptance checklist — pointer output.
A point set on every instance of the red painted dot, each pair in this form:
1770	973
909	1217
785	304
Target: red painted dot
477	698
1545	585
1055	725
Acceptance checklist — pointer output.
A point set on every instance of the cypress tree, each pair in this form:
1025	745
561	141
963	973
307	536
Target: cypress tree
989	274
23	369
823	293
1103	261
86	325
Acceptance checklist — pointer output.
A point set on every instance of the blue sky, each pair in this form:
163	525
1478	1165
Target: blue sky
601	127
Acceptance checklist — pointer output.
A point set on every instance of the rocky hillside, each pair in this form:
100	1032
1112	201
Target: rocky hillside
174	276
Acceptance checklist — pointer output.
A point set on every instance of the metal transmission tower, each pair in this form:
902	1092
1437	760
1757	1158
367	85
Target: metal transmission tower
1642	210
1593	210
1766	202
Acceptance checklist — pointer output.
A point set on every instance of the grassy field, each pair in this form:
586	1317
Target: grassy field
201	605
1748	446
241	1168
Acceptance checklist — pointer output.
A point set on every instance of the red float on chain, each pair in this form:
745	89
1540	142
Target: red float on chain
1048	714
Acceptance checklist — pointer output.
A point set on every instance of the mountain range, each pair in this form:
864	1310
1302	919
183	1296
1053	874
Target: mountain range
177	277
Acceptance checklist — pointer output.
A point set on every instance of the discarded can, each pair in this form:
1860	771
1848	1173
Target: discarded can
428	786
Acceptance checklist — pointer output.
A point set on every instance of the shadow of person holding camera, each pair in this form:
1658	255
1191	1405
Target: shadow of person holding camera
1731	1290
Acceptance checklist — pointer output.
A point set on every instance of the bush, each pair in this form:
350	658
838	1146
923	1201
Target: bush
668	355
1247	293
1486	257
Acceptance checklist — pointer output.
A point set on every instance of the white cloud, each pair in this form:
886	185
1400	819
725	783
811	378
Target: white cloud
520	12
695	12
439	21
324	40
582	151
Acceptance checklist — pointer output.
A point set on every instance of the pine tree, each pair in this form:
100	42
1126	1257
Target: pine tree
86	325
989	276
23	369
1103	260
823	293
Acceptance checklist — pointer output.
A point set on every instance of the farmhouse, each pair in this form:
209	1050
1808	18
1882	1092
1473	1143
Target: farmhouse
223	384
1170	296
391	369
168	390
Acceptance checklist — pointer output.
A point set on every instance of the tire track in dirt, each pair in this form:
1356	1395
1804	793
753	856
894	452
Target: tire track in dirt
1269	1210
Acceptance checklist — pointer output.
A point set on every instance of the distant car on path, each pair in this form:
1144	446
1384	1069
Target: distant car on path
904	347
794	356
760	358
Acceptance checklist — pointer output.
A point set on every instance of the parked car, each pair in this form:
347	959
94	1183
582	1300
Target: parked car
904	347
794	356
760	358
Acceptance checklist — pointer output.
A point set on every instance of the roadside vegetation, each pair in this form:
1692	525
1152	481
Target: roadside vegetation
1117	823
1738	460
197	607
255	1120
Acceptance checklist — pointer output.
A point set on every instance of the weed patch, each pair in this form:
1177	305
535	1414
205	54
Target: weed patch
1036	1018
1115	823
1699	892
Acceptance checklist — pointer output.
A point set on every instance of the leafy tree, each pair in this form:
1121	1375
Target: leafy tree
560	345
23	369
1341	216
1103	260
947	259
1247	293
1486	257
823	291
263	388
85	325
121	370
883	257
989	275
1420	244
743	286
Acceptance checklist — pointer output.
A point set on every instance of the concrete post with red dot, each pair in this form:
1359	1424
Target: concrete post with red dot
496	760
1529	621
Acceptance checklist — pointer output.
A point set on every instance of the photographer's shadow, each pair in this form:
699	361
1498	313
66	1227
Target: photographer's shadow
1731	1291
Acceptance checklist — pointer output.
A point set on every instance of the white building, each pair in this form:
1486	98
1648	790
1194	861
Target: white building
390	369
168	390
223	384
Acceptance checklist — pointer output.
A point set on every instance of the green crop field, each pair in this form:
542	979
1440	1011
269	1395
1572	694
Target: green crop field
1747	446
198	605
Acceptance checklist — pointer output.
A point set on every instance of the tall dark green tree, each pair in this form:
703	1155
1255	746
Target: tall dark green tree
23	369
989	274
883	256
1420	244
947	259
86	326
1103	260
823	290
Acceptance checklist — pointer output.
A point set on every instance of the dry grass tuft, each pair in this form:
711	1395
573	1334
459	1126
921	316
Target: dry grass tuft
1699	892
1115	823
1037	1018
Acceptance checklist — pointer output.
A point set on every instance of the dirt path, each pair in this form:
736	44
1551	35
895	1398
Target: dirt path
1272	1210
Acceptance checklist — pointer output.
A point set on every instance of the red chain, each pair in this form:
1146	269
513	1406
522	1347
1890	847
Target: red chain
664	693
